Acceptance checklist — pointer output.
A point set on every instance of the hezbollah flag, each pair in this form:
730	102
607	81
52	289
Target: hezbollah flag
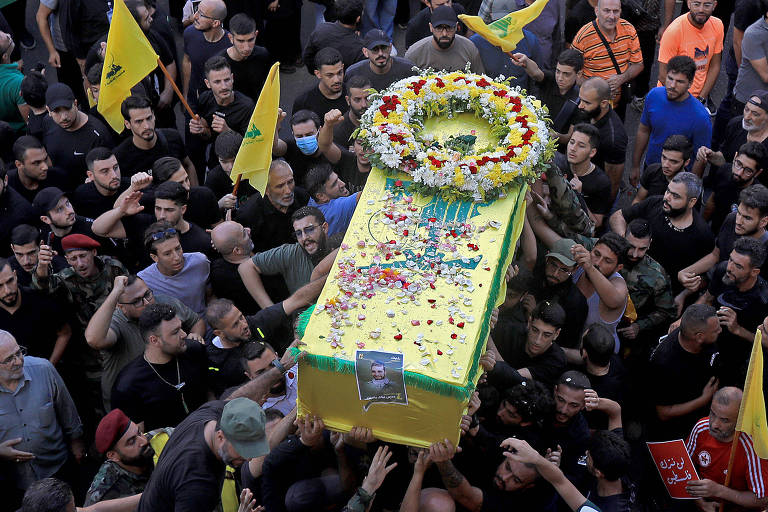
505	32
255	153
128	59
752	410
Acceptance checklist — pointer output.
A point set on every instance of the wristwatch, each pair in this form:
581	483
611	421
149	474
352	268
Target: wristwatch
277	364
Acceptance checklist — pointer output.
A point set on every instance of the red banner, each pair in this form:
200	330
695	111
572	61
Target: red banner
675	466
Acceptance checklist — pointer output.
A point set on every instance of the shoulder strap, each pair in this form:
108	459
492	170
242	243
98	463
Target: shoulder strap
607	47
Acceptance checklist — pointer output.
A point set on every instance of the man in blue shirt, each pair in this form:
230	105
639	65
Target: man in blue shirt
330	195
671	110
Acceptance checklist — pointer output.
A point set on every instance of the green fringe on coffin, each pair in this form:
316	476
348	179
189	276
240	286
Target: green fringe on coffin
430	384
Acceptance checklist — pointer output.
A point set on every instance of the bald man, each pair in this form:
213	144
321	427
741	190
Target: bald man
233	242
202	40
40	425
709	446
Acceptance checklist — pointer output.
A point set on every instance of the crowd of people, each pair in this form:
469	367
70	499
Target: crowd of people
148	311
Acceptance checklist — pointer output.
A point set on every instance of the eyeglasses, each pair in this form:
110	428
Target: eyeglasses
300	233
199	12
445	28
558	269
738	165
162	235
147	297
11	358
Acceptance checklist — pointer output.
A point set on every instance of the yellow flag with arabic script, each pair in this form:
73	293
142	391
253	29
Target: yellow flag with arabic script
505	32
752	410
255	153
128	59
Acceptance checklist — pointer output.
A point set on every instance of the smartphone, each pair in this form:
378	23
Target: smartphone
49	239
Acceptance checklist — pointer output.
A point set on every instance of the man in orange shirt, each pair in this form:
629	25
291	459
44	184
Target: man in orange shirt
699	35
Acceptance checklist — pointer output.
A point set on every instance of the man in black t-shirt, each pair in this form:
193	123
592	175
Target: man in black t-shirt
14	210
604	369
675	157
380	67
328	93
249	62
218	179
105	186
146	144
202	208
25	246
357	91
304	151
32	173
683	373
342	34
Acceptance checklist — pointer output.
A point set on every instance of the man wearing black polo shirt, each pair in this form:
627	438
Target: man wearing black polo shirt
21	311
674	223
684	367
32	173
167	382
675	157
380	67
328	93
147	143
249	62
270	216
72	134
105	186
595	106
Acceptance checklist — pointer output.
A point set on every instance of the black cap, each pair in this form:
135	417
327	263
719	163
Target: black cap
46	199
59	95
762	97
444	15
376	37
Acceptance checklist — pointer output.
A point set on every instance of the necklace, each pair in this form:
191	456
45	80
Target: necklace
177	387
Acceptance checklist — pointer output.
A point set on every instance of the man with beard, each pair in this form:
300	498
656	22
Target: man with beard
128	463
741	296
674	223
358	88
595	108
25	246
418	25
675	156
20	312
749	220
380	67
259	358
14	210
147	143
249	62
33	172
670	110
294	262
649	288
352	166
727	181
445	49
57	214
709	445
379	384
104	186
328	93
167	382
330	195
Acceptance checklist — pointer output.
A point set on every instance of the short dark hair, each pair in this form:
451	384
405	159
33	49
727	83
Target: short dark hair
307	211
691	181
97	154
316	178
640	228
328	56
33	88
616	243
549	312
24	143
756	151
305	115
679	143
24	234
522	282
157	227
598	343
682	64
347	11
172	191
133	102
4	262
154	315
610	454
47	495
216	310
164	168
93	75
216	63
590	131
532	400
241	24
253	349
571	57
695	318
755	196
357	82
227	144
574	379
755	250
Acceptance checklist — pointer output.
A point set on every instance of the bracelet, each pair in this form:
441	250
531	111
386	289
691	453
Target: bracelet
475	422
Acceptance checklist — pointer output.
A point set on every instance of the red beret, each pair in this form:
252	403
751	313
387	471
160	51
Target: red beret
111	428
78	242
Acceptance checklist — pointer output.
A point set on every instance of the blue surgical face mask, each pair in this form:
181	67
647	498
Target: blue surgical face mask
308	144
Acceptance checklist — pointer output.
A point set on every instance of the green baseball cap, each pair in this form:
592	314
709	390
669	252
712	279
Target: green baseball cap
561	250
243	422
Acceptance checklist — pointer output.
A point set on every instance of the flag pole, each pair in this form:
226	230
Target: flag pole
176	89
731	458
237	184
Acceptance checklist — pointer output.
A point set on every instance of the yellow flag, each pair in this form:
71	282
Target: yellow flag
128	59
255	153
752	410
505	32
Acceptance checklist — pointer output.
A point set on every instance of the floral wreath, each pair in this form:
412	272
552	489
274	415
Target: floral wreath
392	129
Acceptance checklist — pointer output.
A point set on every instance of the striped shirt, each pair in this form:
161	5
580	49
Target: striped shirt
710	457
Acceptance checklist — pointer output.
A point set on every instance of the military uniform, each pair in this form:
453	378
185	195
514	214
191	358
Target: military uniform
113	481
571	218
651	292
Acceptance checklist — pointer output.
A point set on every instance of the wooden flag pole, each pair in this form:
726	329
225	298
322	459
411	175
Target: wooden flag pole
237	184
731	458
176	89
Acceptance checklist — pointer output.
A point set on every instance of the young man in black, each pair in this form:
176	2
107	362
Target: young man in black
105	186
32	173
248	61
329	92
675	157
381	68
